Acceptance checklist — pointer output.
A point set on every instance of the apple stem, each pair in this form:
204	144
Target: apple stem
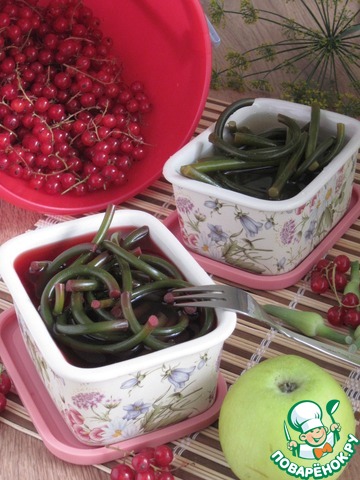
288	387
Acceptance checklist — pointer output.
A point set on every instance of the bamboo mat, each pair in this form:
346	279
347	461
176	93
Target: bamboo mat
199	457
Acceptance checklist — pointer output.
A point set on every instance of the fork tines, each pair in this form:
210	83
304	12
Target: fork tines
198	293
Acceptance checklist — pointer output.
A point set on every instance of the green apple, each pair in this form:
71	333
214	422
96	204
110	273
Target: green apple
287	417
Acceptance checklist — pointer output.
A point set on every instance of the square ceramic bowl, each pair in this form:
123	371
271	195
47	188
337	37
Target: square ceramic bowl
107	404
263	236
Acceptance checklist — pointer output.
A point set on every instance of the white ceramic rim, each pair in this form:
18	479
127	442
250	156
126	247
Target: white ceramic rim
201	144
171	247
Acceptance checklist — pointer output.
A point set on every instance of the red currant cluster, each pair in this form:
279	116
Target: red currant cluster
333	275
5	386
148	464
68	121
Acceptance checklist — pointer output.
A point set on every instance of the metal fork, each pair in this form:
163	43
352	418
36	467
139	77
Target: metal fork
238	300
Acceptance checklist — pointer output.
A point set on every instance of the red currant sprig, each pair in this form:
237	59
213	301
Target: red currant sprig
148	464
329	274
332	275
68	121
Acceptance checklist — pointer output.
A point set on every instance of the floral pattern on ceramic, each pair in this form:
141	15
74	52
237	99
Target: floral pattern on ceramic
267	242
99	415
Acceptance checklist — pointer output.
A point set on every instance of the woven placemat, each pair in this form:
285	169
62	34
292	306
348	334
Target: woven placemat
199	456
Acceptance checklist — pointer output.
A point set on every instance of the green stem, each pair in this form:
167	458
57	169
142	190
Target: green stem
105	225
162	264
313	130
288	169
353	286
113	348
310	324
134	261
82	284
190	171
136	327
59	299
106	326
337	147
45	302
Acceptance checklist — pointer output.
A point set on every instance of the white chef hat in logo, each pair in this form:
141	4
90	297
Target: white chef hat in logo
304	416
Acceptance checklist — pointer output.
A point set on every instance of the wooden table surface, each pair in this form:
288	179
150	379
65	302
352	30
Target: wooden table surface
199	457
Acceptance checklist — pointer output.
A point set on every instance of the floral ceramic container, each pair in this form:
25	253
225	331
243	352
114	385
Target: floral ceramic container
263	236
108	404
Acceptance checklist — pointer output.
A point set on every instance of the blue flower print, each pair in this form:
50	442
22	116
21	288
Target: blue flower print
213	205
178	376
310	232
281	264
270	223
133	382
203	360
217	234
135	409
251	226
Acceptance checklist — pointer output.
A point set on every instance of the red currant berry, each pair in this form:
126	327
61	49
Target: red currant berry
137	87
338	281
53	186
4	140
100	159
145	106
163	455
62	80
334	316
18	105
49	92
132	105
342	263
88	138
140	462
5	383
88	100
96	181
138	152
41	105
352	318
109	120
121	179
15	170
122	472
110	173
164	475
60	25
4	20
8	65
319	284
350	300
74	164
56	112
148	452
4	161
147	475
67	180
37	182
322	264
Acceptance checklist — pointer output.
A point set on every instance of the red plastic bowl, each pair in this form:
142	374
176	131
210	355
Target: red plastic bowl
166	45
